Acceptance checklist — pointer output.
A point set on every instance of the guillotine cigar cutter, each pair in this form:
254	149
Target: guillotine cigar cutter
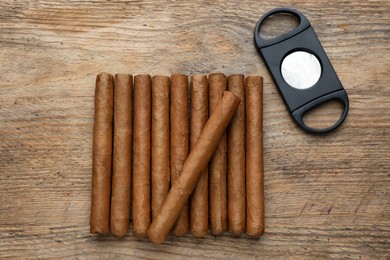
301	70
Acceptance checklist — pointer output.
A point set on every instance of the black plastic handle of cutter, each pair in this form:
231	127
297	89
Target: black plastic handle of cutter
303	24
296	39
300	112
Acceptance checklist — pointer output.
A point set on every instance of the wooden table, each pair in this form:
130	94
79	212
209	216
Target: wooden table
326	196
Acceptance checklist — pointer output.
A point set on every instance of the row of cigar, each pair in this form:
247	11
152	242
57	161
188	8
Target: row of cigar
187	154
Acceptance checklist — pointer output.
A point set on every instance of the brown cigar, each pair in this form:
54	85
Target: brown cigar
199	205
121	168
254	156
160	142
236	159
193	166
179	140
102	154
141	149
218	164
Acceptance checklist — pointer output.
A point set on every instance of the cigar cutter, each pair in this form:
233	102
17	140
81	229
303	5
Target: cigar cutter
301	69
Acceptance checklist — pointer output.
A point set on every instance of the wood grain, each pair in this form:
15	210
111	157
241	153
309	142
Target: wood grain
326	196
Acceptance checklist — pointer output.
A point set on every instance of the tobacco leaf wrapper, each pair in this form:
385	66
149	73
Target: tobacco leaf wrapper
236	159
199	204
160	141
141	149
102	154
254	156
121	176
218	163
179	140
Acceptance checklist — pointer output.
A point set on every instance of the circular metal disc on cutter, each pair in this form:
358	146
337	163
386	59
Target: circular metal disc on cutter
301	70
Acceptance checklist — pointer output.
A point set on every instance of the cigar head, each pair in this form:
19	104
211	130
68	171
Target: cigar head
236	76
236	100
102	80
217	74
199	232
254	81
162	78
179	76
139	235
156	237
118	231
104	76
255	232
236	230
140	76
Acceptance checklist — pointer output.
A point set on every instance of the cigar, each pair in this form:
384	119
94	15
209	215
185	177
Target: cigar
218	164
254	156
102	154
160	142
179	140
199	201
141	149
236	160
193	166
121	168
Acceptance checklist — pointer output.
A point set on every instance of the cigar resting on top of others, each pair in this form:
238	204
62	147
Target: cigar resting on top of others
160	141
193	166
236	159
199	200
141	147
254	156
102	154
121	176
218	163
179	140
